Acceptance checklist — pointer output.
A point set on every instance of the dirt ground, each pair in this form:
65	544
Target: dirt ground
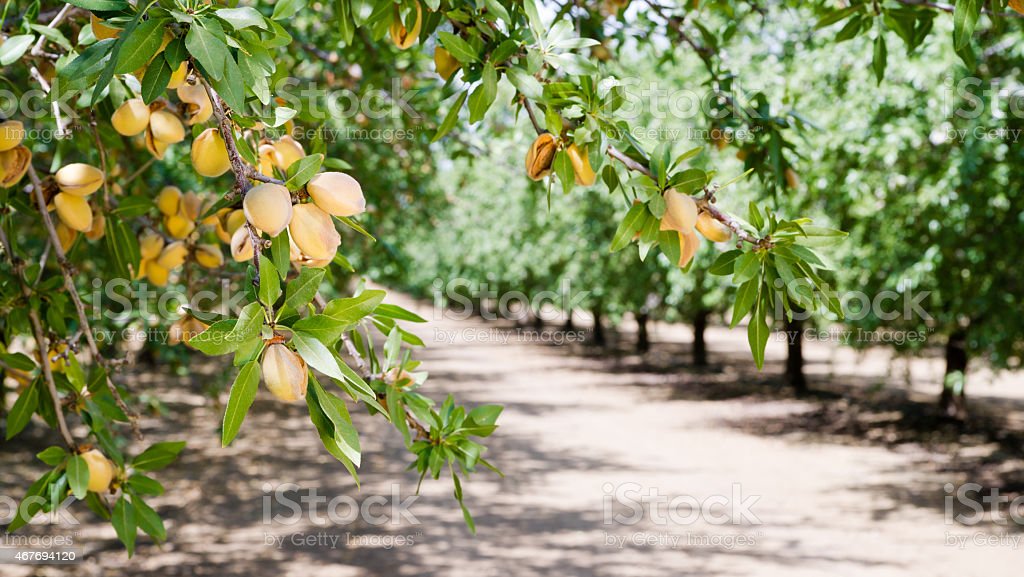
851	481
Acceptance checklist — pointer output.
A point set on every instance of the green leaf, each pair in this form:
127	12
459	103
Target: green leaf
525	83
482	98
689	181
316	354
756	219
398	313
158	455
144	485
217	339
209	50
326	329
285	9
52	456
879	57
280	254
817	236
562	165
53	35
14	48
30	504
242	17
757	335
154	83
249	324
747	267
352	310
270	282
838	15
725	264
78	476
301	291
139	47
149	520
302	170
459	48
232	86
466	516
108	70
451	118
24	407
100	5
345	435
746	295
18	361
124	523
325	429
630	225
485	414
965	19
243	393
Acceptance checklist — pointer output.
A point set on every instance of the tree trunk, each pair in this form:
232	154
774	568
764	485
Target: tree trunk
643	343
795	357
568	321
599	339
953	403
538	322
700	348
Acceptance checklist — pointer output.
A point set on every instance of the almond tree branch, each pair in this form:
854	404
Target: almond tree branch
704	202
239	168
364	369
38	48
42	344
69	285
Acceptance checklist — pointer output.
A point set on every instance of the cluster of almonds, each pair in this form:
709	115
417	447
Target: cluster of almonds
541	155
77	182
14	156
313	238
180	219
683	216
162	127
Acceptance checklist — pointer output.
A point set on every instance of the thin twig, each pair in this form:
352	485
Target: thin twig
42	345
38	48
69	285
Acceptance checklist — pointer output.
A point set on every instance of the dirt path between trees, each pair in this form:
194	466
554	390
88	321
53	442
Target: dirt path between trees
582	438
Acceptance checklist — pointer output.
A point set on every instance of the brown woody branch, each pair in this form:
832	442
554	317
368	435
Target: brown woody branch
239	168
69	285
42	344
705	202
